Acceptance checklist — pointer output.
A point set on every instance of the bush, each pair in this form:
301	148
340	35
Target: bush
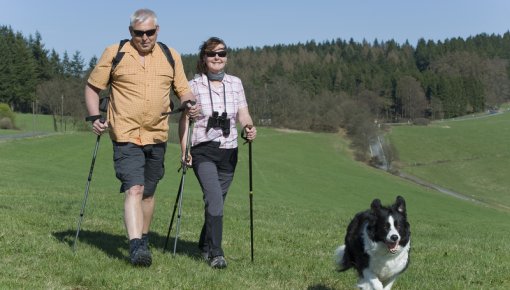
6	123
7	117
421	121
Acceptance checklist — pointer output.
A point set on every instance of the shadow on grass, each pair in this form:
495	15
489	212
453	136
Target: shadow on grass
319	287
117	245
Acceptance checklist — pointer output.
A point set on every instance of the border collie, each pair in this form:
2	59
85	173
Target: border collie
377	244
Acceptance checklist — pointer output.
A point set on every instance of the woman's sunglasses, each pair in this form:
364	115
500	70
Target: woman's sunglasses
140	33
222	53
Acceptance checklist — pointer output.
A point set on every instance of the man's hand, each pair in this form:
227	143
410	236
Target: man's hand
99	126
193	110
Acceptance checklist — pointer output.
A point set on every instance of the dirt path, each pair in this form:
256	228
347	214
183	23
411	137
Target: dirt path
25	135
449	192
436	187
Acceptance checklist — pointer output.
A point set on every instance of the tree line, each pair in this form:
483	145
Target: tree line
341	84
393	82
35	79
327	86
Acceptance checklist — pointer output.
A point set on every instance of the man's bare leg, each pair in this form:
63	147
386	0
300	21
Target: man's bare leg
148	210
133	214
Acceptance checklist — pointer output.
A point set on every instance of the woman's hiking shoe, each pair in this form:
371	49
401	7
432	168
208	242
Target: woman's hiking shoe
218	262
139	253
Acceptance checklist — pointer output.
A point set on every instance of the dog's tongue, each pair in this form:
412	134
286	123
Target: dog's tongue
392	247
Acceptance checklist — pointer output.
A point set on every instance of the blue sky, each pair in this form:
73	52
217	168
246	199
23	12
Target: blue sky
89	26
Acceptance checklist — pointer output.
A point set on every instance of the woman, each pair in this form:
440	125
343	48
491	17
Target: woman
214	140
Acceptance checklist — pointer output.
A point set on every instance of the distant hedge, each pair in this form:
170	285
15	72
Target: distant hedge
7	117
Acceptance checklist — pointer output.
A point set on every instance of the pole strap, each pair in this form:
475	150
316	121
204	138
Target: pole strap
92	118
183	107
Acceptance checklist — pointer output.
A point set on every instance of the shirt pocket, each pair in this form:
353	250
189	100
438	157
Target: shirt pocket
125	77
162	79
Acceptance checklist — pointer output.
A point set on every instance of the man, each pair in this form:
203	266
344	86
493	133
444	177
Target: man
140	87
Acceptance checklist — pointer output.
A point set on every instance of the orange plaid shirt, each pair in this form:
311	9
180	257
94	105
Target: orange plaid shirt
140	93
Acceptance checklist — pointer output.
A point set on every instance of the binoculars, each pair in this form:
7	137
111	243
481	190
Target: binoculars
216	121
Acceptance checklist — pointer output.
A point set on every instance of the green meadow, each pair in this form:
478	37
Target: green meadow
306	189
470	156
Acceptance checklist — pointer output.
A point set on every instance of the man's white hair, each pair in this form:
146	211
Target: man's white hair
141	15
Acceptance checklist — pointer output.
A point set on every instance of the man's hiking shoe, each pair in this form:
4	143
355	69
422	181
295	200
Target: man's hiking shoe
145	239
140	254
218	262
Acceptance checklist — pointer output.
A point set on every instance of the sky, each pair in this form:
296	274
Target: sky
88	26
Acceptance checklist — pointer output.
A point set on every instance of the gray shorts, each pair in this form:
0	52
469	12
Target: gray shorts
139	165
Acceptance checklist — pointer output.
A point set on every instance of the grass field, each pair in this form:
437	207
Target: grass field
30	123
469	156
306	189
44	124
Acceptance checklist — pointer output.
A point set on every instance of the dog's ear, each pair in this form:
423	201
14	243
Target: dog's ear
376	204
400	204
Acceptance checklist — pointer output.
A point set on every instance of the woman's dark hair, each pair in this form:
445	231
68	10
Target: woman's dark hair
207	45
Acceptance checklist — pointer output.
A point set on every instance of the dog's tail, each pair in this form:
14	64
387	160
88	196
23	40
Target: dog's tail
340	259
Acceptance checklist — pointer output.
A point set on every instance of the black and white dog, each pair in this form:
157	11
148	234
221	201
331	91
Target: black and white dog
377	245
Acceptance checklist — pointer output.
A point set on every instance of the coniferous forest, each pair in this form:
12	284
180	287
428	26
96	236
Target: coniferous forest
327	86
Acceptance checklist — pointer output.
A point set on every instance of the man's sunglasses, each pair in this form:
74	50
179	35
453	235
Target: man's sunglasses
222	53
140	33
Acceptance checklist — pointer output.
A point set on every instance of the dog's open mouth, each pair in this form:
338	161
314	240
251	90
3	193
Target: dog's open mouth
392	246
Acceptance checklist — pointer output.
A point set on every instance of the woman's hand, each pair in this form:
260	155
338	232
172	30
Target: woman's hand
250	132
187	161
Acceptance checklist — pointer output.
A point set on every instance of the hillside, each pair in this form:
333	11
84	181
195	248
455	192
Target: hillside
466	155
306	189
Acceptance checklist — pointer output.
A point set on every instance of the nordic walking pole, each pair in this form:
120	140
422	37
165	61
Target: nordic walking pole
173	215
87	186
178	200
251	197
184	169
251	188
179	212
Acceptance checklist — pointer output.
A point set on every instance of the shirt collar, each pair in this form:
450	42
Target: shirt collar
129	48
